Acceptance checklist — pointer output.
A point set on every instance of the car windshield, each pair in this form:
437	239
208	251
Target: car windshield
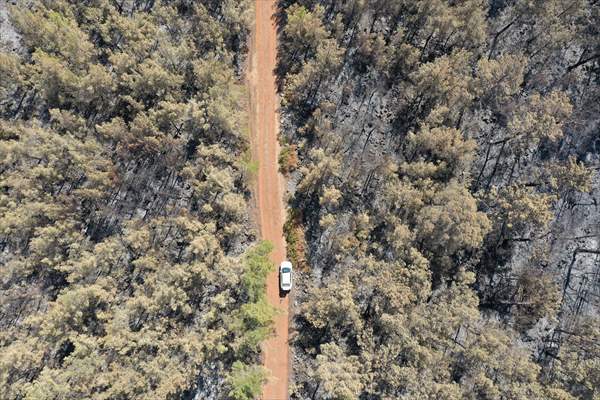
286	270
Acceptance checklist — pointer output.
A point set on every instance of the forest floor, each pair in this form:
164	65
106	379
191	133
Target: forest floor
269	188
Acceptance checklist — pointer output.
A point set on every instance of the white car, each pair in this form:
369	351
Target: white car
285	276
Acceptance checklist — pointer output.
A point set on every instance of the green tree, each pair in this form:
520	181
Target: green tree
304	32
246	381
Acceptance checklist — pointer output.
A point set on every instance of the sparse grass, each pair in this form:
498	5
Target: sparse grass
250	166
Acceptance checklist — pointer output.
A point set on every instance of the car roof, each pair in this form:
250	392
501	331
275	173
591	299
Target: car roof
286	264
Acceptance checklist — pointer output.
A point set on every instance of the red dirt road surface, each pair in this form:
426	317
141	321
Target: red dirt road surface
269	191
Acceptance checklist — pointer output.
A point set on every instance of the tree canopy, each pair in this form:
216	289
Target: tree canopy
129	266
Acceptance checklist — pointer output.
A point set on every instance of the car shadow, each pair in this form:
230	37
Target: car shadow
282	293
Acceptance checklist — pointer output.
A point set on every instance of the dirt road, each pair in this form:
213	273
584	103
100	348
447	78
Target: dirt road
269	191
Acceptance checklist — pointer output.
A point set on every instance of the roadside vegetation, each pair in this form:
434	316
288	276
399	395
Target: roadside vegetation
447	163
295	240
288	159
129	269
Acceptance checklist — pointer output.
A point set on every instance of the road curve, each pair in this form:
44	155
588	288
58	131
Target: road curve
264	124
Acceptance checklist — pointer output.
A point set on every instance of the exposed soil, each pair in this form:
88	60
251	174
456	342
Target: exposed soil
264	105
